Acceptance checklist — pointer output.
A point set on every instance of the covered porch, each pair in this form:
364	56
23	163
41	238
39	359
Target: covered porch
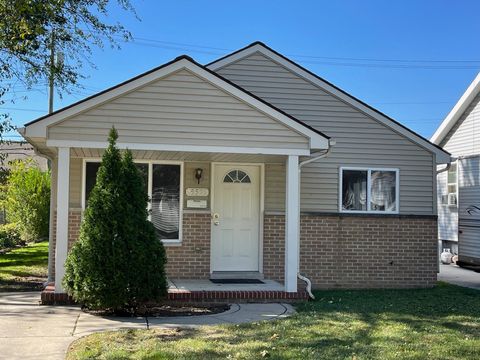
208	217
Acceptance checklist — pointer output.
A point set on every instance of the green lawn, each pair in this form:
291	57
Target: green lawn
25	268
439	323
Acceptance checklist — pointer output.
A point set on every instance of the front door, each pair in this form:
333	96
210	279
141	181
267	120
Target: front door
235	218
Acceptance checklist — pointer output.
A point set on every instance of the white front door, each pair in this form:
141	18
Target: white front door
235	218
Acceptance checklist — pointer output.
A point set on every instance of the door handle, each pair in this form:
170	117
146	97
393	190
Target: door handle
216	219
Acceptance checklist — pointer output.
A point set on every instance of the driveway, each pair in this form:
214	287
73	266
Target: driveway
456	275
30	331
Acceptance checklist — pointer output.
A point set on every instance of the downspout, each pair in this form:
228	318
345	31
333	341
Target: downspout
313	157
51	249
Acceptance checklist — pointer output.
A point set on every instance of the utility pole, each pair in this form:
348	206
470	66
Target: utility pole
51	76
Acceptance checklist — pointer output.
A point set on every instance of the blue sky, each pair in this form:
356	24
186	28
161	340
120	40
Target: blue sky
410	59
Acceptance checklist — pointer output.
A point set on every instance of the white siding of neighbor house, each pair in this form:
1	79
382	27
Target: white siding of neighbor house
464	138
360	140
181	108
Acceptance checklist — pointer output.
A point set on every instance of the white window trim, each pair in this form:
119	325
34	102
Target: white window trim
369	173
171	242
456	163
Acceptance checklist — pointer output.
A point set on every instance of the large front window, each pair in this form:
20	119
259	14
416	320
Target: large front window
163	186
369	190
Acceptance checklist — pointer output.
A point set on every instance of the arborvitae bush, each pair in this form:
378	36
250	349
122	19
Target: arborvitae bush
118	261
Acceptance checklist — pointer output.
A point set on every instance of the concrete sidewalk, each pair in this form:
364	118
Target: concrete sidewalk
30	331
456	275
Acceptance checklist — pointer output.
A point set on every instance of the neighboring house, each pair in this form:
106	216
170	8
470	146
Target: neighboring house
20	150
17	150
222	146
459	186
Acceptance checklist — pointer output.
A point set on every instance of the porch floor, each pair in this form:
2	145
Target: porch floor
187	285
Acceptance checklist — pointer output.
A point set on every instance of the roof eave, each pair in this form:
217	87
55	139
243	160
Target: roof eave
462	104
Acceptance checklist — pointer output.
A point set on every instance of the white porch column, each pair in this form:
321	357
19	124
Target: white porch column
292	224
61	248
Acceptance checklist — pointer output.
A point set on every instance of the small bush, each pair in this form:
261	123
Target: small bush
9	236
27	199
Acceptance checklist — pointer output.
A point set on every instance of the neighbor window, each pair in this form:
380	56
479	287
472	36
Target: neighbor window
451	197
162	184
369	190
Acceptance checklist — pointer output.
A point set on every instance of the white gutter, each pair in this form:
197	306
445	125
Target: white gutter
447	167
314	157
51	249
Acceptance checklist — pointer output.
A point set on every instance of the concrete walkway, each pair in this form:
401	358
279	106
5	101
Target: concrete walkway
30	331
456	275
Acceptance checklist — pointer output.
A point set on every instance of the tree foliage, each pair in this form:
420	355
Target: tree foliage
27	199
118	261
29	29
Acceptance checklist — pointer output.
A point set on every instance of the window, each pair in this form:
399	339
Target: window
236	176
369	190
163	184
451	197
166	200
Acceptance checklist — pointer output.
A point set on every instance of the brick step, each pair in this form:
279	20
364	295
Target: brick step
50	297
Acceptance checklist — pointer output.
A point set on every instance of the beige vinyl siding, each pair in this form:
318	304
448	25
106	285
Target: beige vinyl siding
464	138
274	179
76	169
180	109
275	187
361	140
189	181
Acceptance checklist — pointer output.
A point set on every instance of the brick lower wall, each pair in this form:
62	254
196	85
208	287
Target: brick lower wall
191	259
74	221
359	251
335	251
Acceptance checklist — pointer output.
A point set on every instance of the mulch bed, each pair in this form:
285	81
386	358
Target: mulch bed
163	310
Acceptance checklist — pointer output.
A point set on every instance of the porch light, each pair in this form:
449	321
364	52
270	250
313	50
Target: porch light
198	174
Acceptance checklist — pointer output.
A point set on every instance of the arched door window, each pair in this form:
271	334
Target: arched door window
237	176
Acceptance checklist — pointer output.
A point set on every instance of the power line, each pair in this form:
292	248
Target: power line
401	63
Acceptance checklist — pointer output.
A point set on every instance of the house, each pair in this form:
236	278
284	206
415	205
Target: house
20	150
257	168
459	186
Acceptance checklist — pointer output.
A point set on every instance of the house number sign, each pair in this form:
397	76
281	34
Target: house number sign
197	204
197	191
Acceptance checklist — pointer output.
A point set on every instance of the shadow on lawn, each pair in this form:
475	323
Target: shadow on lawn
373	324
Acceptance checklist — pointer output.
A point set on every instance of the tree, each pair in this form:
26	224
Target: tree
27	199
31	29
146	255
118	261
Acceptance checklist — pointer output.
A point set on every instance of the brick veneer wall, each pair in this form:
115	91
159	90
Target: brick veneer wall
358	251
74	221
191	259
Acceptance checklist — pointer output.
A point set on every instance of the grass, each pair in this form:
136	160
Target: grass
438	323
24	269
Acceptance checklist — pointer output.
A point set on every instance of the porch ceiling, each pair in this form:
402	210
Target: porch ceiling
184	156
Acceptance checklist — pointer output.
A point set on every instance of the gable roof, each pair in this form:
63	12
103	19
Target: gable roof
37	128
442	156
462	104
